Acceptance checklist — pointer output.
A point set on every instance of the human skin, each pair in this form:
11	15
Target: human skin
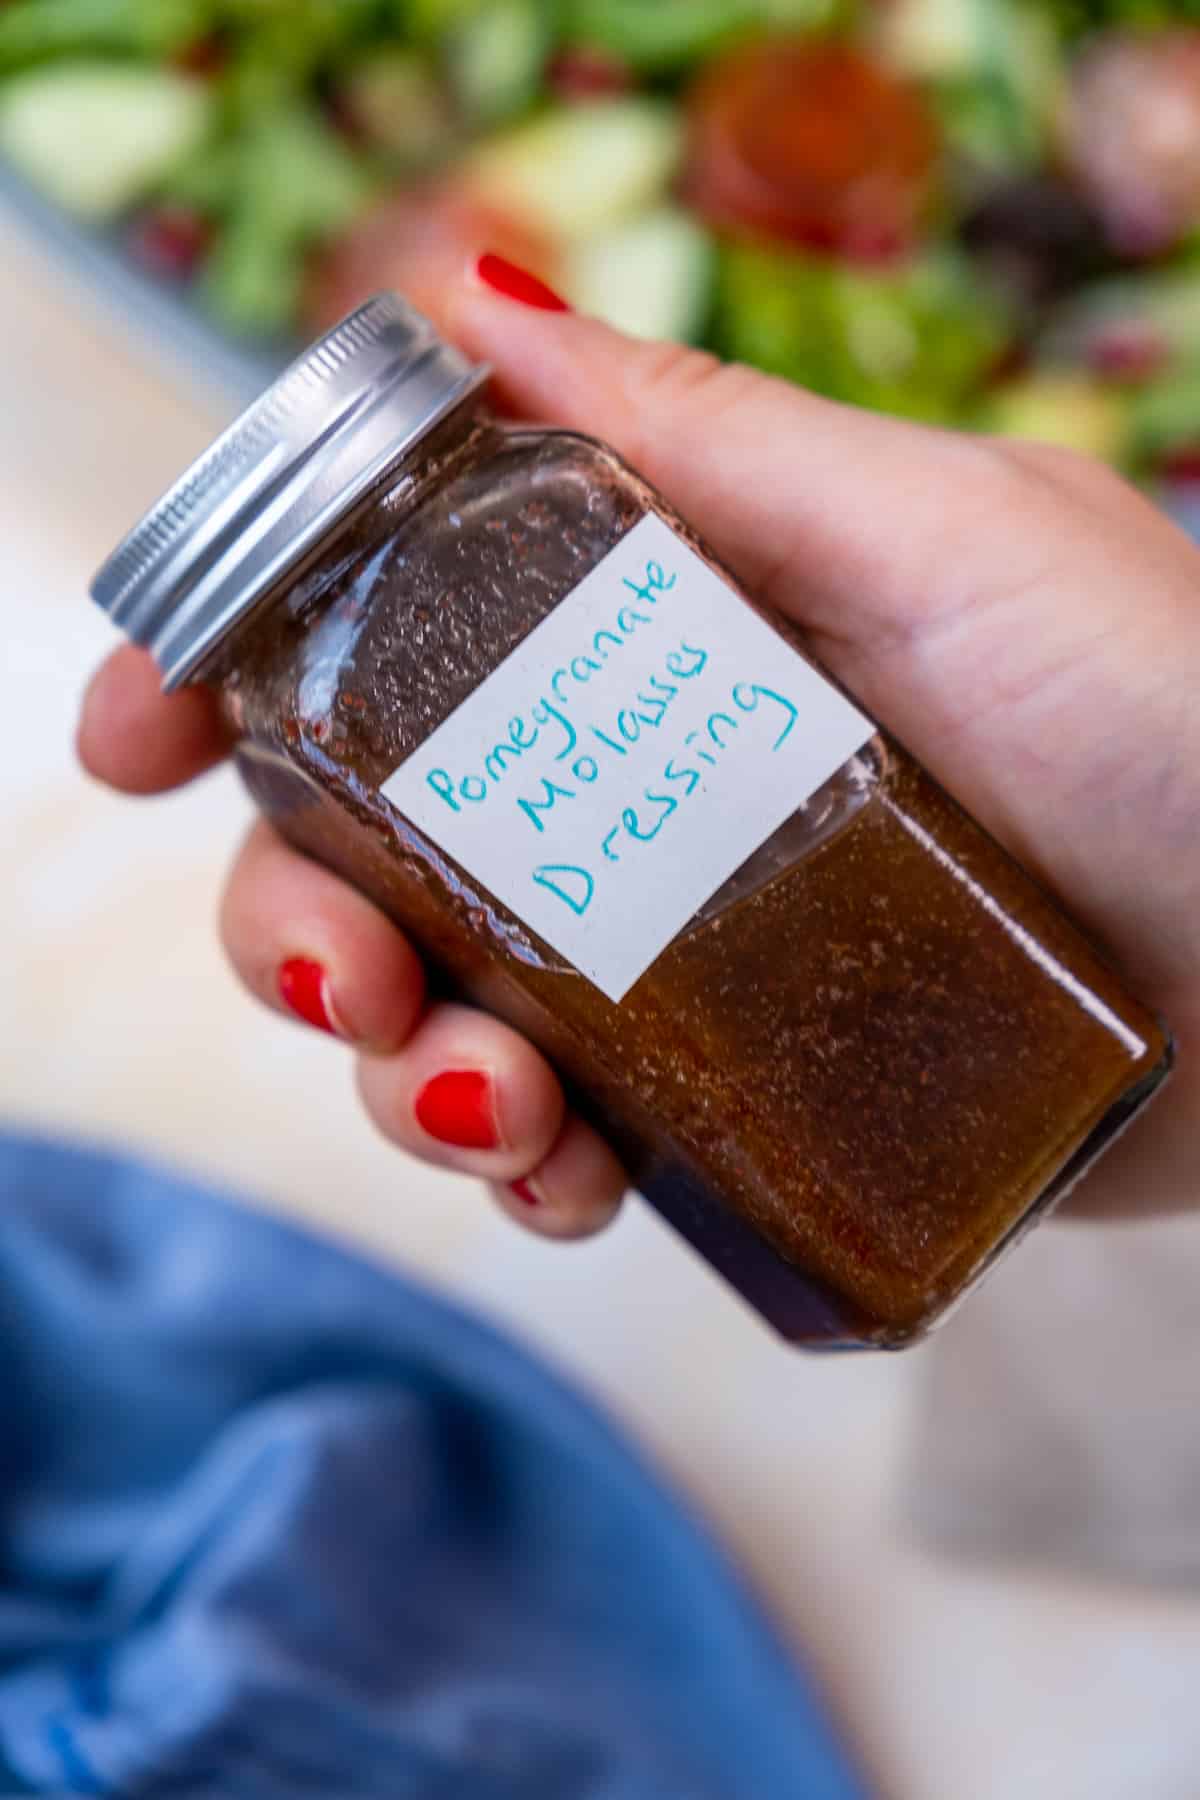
1023	620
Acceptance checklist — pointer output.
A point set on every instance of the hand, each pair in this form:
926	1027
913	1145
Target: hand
1019	617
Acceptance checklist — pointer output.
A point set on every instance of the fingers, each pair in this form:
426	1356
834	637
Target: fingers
307	945
573	1192
468	1093
134	737
1018	617
949	579
783	481
451	1085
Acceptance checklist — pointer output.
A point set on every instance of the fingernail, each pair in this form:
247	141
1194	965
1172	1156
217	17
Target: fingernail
515	283
525	1191
304	990
459	1107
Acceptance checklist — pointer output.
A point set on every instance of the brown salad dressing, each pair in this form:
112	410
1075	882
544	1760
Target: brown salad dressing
868	1060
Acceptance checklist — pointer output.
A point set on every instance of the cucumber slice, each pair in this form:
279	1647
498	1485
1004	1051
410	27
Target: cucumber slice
576	171
651	277
95	137
494	59
939	40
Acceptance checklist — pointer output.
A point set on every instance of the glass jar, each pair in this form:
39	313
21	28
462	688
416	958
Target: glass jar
844	1043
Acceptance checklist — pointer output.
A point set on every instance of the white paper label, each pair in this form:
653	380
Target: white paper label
628	757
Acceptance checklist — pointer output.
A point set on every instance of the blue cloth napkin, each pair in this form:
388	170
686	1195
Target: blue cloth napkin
274	1523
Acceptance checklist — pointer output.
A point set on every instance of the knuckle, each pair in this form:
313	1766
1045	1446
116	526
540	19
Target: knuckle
664	381
672	370
1061	467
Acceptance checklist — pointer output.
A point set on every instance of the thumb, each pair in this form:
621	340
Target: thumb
824	511
1020	618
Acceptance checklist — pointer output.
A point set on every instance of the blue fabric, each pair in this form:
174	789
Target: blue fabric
274	1523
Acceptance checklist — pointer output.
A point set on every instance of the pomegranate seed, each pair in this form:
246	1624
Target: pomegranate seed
1183	465
1130	352
206	56
582	72
171	241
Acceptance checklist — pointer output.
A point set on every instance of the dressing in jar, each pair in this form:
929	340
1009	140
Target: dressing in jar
843	1042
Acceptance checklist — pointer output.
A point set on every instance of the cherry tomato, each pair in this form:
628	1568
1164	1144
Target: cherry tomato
811	144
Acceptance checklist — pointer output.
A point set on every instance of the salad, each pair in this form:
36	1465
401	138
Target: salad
978	212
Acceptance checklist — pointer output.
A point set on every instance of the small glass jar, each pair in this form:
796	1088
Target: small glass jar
844	1043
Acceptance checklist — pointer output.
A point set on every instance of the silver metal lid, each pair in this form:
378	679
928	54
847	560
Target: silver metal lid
272	485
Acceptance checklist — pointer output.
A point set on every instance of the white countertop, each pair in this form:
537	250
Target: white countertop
121	1023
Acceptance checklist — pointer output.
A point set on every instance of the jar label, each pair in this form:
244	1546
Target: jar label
628	756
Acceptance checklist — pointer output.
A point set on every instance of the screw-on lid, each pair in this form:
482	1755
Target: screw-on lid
272	485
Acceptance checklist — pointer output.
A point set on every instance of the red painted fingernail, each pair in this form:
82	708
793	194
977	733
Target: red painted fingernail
516	283
304	990
525	1192
459	1107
